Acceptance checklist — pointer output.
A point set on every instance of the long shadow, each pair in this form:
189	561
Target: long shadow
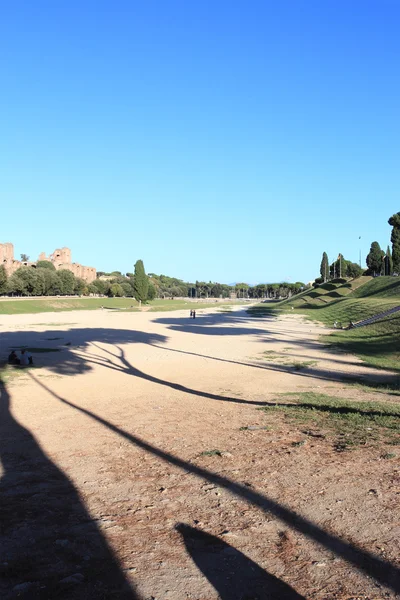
264	366
383	571
233	575
52	548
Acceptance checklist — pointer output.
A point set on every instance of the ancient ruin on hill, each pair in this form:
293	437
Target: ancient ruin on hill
61	259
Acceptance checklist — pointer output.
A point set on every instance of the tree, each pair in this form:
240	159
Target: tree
33	282
151	293
24	258
324	268
45	264
80	286
141	282
127	289
339	267
16	285
374	258
353	270
3	279
116	290
53	286
388	262
394	221
102	287
68	281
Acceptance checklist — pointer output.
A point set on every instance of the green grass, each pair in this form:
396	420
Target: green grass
11	372
346	423
29	305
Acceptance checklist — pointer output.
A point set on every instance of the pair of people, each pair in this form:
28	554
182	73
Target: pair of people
192	314
24	359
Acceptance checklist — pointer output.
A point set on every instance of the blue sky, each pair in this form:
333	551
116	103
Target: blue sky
217	140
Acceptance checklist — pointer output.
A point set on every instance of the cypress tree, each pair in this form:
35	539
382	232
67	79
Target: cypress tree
141	282
324	269
374	258
394	221
388	262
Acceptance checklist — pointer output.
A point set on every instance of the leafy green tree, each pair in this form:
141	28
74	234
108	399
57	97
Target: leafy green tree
388	262
338	268
68	281
92	289
101	286
374	258
24	258
52	284
127	289
116	290
324	268
151	292
34	282
141	282
45	264
394	221
242	290
3	280
80	286
353	270
16	285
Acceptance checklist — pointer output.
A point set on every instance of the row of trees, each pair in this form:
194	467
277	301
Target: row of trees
337	269
378	261
45	280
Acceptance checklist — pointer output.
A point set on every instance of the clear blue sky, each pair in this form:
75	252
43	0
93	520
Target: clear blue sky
214	139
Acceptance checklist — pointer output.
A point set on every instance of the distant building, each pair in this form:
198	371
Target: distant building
61	259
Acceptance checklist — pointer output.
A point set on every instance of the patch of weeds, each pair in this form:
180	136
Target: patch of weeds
298	366
211	453
349	423
300	443
388	455
272	355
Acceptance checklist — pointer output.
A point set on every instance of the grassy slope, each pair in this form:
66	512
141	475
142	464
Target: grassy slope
377	344
28	305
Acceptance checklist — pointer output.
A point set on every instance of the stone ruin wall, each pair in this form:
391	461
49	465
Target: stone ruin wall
7	259
61	259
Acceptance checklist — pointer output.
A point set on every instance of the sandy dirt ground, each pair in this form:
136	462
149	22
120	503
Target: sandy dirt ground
136	464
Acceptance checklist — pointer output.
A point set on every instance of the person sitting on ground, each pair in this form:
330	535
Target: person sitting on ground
13	358
24	358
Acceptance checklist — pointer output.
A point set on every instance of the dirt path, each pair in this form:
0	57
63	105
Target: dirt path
128	471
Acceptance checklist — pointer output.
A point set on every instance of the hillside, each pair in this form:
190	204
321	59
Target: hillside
344	301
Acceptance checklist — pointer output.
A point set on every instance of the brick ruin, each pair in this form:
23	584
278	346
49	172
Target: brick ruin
61	259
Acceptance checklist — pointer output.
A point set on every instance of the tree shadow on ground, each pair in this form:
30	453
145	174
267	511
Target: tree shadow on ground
383	571
232	574
52	548
73	345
